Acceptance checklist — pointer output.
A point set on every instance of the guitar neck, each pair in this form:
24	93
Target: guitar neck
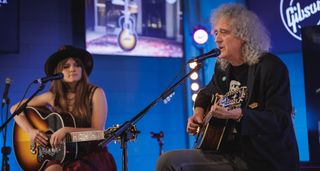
86	136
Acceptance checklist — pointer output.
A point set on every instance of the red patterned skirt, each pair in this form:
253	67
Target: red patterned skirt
96	161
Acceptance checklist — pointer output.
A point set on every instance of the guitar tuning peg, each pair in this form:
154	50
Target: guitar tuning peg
172	94
167	100
116	125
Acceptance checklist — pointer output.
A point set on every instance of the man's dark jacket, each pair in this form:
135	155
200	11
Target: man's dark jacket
267	136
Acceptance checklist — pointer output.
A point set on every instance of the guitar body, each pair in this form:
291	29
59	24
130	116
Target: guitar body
127	39
211	134
36	157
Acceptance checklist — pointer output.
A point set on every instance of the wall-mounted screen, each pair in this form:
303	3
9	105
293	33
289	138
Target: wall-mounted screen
284	19
9	30
150	28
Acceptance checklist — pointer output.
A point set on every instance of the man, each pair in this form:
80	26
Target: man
251	95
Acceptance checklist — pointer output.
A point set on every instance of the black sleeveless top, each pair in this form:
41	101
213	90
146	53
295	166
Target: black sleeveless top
87	122
85	148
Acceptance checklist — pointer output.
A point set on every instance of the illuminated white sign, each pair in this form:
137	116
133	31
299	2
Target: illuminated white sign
3	2
294	15
171	1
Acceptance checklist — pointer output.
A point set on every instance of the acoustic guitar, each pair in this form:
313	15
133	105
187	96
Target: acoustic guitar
210	135
31	156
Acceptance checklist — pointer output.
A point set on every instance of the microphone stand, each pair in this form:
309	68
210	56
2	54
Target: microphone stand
159	137
22	107
124	130
5	150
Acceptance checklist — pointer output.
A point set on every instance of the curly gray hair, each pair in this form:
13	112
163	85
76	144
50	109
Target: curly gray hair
247	26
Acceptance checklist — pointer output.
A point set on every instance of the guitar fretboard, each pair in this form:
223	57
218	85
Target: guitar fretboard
86	136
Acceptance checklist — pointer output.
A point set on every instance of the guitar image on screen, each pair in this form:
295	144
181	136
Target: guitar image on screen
127	38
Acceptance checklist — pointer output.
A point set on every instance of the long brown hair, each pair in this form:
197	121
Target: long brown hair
81	107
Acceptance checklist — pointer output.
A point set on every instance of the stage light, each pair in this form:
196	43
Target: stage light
194	96
200	35
171	1
195	76
195	86
192	65
200	38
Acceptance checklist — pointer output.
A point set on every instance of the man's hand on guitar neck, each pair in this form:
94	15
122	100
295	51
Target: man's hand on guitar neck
195	121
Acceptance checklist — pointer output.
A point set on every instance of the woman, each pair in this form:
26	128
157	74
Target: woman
252	96
86	102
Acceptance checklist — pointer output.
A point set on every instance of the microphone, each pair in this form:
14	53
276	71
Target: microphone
5	92
57	76
210	54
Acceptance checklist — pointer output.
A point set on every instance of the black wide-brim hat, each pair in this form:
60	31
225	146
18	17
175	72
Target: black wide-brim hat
67	52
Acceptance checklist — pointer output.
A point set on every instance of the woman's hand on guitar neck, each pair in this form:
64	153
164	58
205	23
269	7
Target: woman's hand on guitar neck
195	121
223	113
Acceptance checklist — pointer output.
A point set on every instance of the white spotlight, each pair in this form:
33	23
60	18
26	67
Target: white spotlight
194	76
192	65
195	86
194	96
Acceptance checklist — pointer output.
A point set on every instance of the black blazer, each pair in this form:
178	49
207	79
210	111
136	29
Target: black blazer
267	138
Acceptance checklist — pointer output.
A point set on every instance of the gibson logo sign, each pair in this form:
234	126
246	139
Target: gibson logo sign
296	14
